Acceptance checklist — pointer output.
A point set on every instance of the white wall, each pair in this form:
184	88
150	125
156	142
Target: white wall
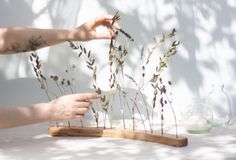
206	30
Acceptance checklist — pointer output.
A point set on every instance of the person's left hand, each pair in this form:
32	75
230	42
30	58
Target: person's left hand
69	106
87	31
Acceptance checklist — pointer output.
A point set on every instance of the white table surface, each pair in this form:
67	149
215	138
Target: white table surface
33	143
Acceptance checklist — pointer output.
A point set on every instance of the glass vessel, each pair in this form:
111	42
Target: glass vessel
197	117
219	104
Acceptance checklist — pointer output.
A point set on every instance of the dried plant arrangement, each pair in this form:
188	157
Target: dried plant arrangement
141	128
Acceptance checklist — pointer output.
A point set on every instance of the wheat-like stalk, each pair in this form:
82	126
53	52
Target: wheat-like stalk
117	55
37	67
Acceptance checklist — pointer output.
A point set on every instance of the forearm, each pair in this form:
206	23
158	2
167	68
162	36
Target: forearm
67	107
23	115
16	39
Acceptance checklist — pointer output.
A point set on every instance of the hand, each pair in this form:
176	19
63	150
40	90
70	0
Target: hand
87	31
70	106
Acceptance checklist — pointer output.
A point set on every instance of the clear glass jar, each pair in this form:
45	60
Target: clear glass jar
197	117
220	106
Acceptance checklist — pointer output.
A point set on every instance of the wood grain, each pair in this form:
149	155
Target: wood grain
167	139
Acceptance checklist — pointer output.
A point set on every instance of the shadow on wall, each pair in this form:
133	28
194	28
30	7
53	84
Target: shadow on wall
21	91
187	23
13	13
16	13
141	20
185	15
61	14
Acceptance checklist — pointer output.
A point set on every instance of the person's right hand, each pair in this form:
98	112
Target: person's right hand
70	106
87	31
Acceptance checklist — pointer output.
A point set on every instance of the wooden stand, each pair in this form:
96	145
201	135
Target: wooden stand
167	139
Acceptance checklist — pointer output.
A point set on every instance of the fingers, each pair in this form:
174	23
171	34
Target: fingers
81	111
106	21
83	104
117	26
103	35
110	33
105	18
88	30
75	110
88	96
85	96
71	106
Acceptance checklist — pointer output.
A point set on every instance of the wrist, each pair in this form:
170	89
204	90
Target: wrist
76	34
71	35
42	112
62	35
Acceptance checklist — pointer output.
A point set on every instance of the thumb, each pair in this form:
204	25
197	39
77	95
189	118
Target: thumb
103	36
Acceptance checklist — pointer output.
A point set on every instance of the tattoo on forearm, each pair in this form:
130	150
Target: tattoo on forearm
33	44
14	47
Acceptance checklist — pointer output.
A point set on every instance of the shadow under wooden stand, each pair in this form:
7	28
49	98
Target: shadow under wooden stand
167	139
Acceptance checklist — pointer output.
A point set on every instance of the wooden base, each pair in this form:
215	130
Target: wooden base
167	139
